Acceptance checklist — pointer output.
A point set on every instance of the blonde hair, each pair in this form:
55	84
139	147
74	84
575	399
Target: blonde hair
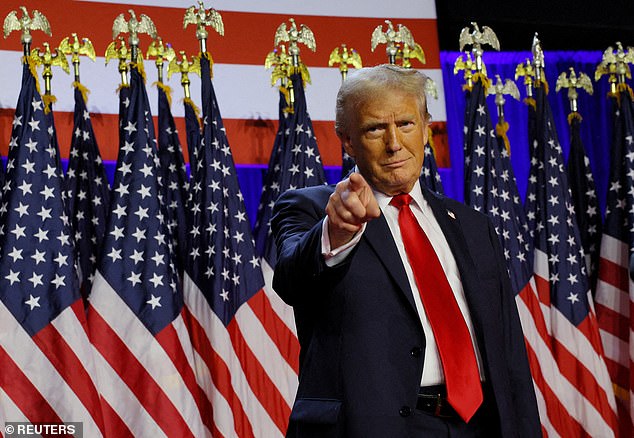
362	84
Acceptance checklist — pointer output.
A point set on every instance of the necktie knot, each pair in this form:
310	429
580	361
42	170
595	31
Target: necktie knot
399	201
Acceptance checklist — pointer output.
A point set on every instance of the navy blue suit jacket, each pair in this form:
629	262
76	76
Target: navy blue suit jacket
362	342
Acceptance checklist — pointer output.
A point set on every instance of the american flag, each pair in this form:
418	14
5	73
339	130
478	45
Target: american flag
563	288
494	191
47	363
347	163
240	367
135	315
87	194
430	175
584	198
271	190
174	175
615	289
192	129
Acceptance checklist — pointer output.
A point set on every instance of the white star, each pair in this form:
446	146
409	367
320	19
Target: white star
117	232
130	128
39	257
119	211
36	280
134	278
13	277
139	234
158	258
137	256
16	254
33	302
115	254
58	281
142	213
41	235
22	209
45	213
34	124
156	280
29	167
147	170
61	259
144	191
154	302
573	298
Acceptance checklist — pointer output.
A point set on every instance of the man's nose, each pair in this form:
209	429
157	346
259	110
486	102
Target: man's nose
392	141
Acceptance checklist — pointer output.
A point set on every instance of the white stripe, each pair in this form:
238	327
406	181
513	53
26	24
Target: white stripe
9	411
551	432
547	363
262	424
614	250
337	8
541	264
613	298
572	400
123	401
615	348
283	310
253	99
41	373
267	353
146	349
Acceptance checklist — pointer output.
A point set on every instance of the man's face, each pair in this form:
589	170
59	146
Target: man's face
386	137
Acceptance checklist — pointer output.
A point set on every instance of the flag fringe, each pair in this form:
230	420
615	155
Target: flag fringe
501	128
166	89
531	101
574	116
190	102
82	89
207	55
621	88
483	79
430	140
49	100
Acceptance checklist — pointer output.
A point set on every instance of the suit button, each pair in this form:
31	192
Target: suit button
405	411
415	352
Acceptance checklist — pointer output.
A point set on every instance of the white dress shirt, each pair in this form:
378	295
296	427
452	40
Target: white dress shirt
432	370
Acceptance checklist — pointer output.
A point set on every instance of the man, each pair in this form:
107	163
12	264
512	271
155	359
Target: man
403	305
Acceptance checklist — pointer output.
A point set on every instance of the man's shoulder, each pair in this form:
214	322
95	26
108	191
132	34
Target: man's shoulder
459	208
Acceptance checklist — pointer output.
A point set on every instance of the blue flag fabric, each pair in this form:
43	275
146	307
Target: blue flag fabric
174	177
430	175
137	259
87	194
299	165
221	256
37	276
584	198
264	241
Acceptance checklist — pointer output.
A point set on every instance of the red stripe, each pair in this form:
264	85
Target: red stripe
543	289
613	274
529	297
115	426
615	323
251	140
260	383
278	331
248	36
561	420
70	368
220	375
168	338
136	377
24	394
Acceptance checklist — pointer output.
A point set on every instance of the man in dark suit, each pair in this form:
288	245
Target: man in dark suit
403	305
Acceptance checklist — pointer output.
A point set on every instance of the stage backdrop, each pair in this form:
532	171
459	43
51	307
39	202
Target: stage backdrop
248	102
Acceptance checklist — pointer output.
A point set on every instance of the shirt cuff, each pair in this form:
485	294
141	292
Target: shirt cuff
338	255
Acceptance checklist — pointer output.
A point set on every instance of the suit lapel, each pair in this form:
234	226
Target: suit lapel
379	237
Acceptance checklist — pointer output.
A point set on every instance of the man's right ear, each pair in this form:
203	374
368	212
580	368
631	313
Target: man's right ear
346	143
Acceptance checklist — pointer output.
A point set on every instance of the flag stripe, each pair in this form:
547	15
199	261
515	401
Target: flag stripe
19	388
282	310
544	368
614	274
126	365
179	358
61	354
221	378
287	343
9	411
42	369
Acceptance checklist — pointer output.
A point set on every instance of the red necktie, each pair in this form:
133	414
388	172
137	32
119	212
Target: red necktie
464	391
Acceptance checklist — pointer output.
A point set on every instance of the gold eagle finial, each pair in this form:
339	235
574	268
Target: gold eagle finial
344	57
499	89
391	37
49	58
203	18
476	38
134	27
72	46
26	24
161	52
572	82
615	64
184	67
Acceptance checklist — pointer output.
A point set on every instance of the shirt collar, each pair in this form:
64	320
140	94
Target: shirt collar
416	193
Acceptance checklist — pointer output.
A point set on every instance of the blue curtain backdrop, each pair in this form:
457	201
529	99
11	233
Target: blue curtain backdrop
595	129
595	109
